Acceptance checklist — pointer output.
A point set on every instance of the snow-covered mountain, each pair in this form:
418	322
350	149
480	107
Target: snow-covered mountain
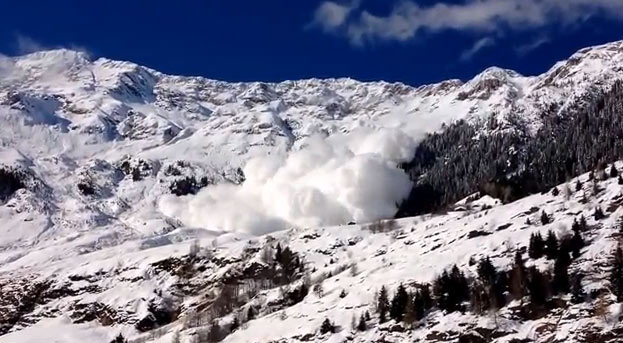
97	156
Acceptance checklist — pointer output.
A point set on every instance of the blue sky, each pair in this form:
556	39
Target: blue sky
411	41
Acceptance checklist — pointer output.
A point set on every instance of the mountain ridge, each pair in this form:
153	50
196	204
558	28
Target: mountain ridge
89	150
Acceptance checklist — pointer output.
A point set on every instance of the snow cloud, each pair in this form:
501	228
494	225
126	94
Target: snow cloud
27	45
24	45
476	48
532	45
55	66
326	181
408	19
330	15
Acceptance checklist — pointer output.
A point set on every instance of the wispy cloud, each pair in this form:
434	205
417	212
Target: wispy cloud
524	49
408	19
25	45
476	48
329	16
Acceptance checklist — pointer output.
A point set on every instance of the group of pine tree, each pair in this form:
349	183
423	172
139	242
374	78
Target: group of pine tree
283	267
507	161
492	289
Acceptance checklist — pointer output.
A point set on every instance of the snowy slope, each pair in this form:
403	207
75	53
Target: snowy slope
118	284
101	144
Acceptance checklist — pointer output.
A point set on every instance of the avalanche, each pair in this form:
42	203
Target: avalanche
132	202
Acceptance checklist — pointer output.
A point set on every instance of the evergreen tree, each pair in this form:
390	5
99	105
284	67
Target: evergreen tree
545	218
422	301
382	306
538	286
583	224
362	326
599	213
518	278
575	226
427	298
418	305
486	271
560	282
327	326
278	254
578	185
367	315
451	290
410	316
616	274
250	313
288	262
441	289
536	248
460	282
555	191
399	303
214	334
479	299
577	242
551	245
119	339
620	180
613	171
498	290
577	291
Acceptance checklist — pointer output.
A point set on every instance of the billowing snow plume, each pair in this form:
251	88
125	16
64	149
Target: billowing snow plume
326	181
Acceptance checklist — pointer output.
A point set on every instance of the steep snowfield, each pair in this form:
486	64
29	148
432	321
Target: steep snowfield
101	145
128	277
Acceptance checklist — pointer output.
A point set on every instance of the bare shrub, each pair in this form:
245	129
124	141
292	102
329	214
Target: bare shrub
354	270
194	249
381	226
267	254
318	290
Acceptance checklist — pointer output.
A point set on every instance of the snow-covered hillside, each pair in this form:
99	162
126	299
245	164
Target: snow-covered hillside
133	285
108	168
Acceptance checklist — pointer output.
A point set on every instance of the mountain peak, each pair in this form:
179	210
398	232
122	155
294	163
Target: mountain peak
108	167
499	73
57	56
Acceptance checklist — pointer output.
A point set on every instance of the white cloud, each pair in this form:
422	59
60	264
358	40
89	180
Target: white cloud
329	16
408	19
476	48
27	45
535	44
24	45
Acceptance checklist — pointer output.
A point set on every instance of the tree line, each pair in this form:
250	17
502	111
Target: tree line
491	289
505	161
